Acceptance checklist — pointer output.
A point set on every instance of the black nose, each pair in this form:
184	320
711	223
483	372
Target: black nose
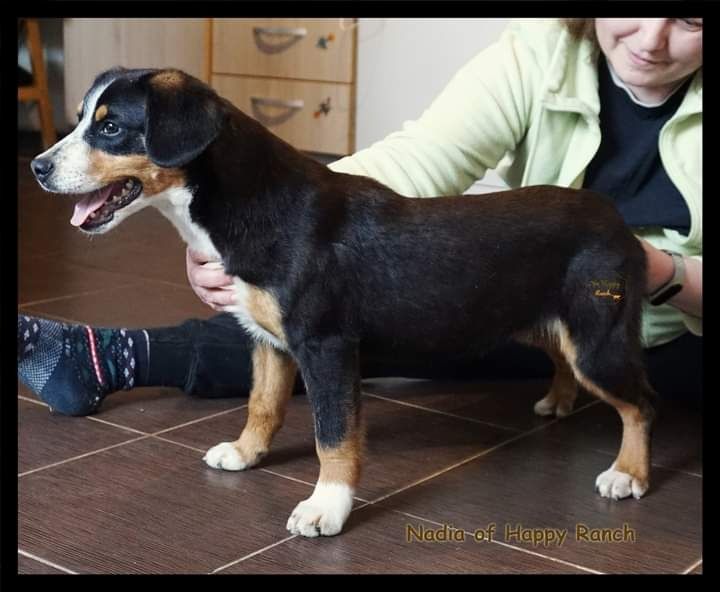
42	167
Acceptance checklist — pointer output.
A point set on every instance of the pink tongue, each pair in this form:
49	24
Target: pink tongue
93	202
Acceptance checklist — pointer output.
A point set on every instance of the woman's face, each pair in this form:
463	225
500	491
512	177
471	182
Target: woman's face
651	56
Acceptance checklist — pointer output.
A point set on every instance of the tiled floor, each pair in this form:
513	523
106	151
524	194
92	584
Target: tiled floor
126	491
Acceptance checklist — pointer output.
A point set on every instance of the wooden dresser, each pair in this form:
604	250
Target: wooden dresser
296	76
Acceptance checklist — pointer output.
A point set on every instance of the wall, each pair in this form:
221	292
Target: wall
404	63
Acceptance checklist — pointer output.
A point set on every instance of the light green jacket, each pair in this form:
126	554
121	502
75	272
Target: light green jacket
528	107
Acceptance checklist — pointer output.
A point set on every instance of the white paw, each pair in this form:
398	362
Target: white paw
548	405
618	485
324	512
225	456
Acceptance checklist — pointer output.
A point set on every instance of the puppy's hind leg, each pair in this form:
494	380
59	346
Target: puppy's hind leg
273	379
560	399
612	369
562	394
331	372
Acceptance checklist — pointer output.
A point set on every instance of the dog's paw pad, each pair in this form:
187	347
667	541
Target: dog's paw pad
618	485
225	456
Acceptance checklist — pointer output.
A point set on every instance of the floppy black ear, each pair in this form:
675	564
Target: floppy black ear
182	118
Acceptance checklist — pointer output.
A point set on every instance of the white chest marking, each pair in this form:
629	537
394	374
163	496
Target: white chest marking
174	205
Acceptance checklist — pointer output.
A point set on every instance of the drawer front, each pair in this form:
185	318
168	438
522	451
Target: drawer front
292	110
284	48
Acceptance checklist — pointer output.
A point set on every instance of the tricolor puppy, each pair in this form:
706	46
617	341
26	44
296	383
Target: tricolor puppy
331	267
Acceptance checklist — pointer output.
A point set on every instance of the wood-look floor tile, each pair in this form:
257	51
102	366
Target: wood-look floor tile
141	306
498	402
377	541
676	440
403	444
152	409
43	277
45	438
151	507
539	482
27	565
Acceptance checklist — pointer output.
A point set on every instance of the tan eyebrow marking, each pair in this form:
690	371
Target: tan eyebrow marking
79	108
101	113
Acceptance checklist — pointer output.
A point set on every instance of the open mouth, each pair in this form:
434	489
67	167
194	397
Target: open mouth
98	207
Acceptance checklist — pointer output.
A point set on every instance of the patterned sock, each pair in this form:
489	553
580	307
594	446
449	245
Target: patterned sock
74	367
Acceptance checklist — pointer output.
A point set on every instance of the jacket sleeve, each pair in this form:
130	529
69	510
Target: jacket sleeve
482	114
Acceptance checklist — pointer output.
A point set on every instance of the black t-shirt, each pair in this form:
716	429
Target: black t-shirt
627	166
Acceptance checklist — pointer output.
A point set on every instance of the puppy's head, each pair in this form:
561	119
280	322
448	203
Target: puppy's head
137	130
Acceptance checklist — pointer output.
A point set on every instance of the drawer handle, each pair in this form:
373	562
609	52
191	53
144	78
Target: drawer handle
281	31
289	104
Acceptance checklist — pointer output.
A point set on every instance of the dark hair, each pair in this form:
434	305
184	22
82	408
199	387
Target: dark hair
581	28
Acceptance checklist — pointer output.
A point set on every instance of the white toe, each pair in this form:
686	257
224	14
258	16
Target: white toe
324	512
618	485
549	405
225	456
545	406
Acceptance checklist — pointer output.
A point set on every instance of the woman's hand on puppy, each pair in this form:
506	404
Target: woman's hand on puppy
208	280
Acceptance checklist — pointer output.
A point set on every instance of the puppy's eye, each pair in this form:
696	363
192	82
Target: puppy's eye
110	129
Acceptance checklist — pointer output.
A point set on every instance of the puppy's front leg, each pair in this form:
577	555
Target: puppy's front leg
331	373
273	379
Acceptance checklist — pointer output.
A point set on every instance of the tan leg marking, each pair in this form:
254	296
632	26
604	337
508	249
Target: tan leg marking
326	510
264	308
273	379
561	397
342	464
634	456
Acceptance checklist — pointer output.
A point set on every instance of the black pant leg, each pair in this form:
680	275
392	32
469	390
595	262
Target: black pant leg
213	358
205	358
513	361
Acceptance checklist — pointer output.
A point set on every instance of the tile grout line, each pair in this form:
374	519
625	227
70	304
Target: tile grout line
145	435
692	567
46	562
75	295
445	413
254	553
129	275
154	434
477	455
502	544
116	425
277	543
52	317
263	469
193	421
553	559
590	404
78	457
123	427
